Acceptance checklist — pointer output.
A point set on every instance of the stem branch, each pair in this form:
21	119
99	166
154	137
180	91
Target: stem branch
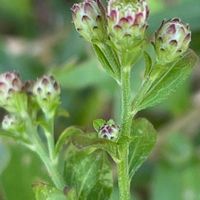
44	155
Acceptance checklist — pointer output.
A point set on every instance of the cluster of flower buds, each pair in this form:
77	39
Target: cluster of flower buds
14	93
46	91
89	20
127	23
172	40
109	130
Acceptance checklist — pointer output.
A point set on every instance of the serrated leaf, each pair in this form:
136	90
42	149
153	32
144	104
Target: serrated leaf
169	80
98	123
45	192
143	140
64	137
89	173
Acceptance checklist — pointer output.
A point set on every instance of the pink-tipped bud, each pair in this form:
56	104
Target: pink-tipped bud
89	20
172	40
127	22
47	93
10	83
109	131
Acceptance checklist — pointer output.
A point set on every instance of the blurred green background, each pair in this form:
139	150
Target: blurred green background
37	37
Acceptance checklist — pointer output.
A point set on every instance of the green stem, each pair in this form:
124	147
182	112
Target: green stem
50	139
123	169
44	155
51	167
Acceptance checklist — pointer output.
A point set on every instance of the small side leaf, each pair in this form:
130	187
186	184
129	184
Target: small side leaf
98	123
171	77
143	141
65	135
148	64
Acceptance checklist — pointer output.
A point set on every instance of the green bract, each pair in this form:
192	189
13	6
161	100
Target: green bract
89	20
172	40
127	22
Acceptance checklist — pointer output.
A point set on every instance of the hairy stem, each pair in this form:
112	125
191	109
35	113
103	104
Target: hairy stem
123	170
42	152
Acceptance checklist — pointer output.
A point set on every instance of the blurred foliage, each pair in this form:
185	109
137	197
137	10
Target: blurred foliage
38	37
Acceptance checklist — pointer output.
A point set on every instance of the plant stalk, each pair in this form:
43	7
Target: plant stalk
44	156
123	169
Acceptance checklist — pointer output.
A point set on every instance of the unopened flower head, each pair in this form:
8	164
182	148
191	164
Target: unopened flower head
10	123
109	131
47	93
89	20
10	83
127	22
172	40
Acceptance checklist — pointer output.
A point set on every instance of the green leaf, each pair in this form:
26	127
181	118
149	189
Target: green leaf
90	143
64	137
143	141
98	123
89	173
108	59
45	192
148	63
170	77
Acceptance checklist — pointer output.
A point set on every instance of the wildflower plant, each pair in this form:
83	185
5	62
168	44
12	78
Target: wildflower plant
79	163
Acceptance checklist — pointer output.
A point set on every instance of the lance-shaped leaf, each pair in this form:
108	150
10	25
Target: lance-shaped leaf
143	140
89	173
168	79
109	59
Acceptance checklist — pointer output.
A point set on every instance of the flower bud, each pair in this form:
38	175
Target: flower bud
127	22
46	90
89	20
9	123
11	97
172	40
14	125
109	131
